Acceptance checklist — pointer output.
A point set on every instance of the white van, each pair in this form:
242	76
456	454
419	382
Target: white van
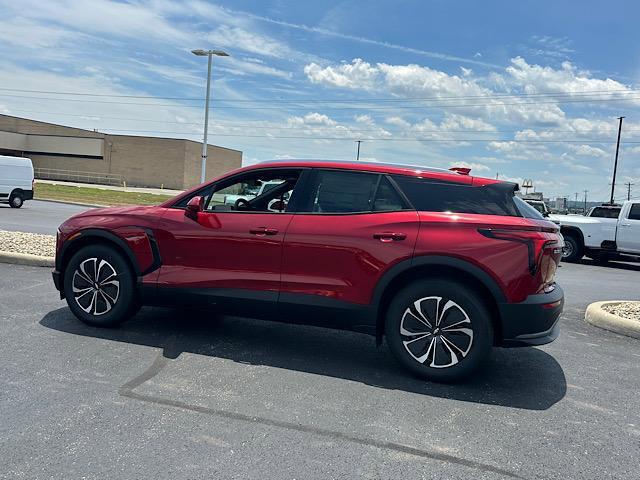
16	180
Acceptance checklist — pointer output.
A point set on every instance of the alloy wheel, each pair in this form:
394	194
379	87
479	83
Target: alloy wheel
567	250
436	332
96	287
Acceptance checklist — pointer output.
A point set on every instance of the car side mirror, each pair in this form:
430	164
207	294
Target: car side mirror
545	214
194	206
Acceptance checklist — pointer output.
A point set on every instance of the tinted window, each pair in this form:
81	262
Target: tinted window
526	210
341	192
538	206
432	196
601	212
634	213
387	198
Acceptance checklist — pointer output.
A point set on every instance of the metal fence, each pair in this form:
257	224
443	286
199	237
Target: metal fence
81	177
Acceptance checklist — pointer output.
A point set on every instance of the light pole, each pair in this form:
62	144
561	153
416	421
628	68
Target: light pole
210	54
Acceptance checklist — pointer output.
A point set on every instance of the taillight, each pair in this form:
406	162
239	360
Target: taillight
536	241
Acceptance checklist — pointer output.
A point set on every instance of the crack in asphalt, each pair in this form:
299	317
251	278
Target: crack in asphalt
161	361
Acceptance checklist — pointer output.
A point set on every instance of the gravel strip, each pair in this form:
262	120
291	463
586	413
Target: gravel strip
630	310
29	243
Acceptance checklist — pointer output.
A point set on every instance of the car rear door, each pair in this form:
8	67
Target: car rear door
350	227
628	232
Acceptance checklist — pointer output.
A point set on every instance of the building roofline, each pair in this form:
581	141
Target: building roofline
103	134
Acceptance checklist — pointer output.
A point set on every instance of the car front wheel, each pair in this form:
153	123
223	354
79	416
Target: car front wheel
99	286
439	330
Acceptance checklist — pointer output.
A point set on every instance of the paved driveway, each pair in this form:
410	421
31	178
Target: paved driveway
172	394
37	216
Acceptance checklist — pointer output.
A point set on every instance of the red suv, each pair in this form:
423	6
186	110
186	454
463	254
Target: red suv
442	264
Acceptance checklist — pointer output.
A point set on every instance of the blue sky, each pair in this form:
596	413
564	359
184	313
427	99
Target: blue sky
519	89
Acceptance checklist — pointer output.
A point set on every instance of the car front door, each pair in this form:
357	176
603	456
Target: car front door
233	250
349	228
628	234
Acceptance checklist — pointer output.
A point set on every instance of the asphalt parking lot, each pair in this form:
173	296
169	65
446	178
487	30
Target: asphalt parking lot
37	216
172	394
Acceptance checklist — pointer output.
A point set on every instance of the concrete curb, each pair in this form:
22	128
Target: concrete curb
66	202
26	259
596	316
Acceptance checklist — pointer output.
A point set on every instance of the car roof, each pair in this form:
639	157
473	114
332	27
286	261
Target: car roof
377	167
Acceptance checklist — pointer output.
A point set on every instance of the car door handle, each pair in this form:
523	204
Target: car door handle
389	236
625	224
263	231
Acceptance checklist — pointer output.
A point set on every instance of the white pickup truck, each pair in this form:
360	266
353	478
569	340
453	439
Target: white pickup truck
601	238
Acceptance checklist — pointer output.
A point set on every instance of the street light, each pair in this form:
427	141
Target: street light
210	54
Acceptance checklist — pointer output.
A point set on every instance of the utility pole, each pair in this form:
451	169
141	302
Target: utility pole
575	204
629	185
585	201
358	154
615	165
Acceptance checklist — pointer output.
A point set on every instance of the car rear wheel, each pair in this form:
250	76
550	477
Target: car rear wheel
439	330
572	250
99	287
16	200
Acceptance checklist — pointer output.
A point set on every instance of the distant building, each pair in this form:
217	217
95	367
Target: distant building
139	161
561	204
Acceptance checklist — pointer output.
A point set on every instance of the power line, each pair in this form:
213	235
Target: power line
233	124
339	100
328	106
382	139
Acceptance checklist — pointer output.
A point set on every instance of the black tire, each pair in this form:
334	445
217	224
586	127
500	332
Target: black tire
573	250
16	200
95	307
469	313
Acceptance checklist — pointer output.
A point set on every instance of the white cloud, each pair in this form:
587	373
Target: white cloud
356	75
416	81
567	79
314	118
587	151
398	122
238	38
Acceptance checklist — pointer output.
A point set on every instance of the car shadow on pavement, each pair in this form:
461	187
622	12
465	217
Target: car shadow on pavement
632	267
526	378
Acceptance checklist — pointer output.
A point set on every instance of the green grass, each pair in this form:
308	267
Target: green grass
98	196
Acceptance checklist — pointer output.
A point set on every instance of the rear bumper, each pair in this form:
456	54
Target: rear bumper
532	322
27	194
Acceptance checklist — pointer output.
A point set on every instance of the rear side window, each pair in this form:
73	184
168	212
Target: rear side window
342	192
634	213
601	212
387	199
526	210
433	196
333	191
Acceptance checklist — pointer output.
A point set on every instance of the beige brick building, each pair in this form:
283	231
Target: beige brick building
97	157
